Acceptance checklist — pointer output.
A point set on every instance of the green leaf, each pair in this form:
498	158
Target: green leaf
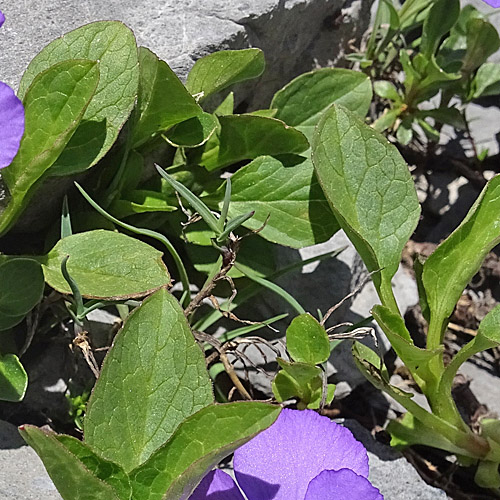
296	380
106	265
307	341
482	42
219	70
141	201
193	132
386	90
457	259
442	16
162	99
245	137
113	45
21	286
303	101
153	378
450	116
13	379
198	444
487	80
226	107
286	190
72	478
370	190
54	106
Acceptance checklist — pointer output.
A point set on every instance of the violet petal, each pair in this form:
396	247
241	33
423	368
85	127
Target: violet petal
280	462
2	18
493	3
217	485
343	484
11	124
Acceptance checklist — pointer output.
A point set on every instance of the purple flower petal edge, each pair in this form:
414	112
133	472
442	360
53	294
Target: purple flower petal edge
11	124
217	485
280	462
343	484
492	3
2	18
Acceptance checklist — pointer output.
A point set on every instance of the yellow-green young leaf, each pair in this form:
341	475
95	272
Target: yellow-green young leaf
153	378
13	379
72	478
302	102
21	286
286	190
457	259
245	137
307	341
370	190
198	444
106	265
54	105
162	100
113	45
217	71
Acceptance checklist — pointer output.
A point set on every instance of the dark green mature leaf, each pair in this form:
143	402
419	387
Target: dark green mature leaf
455	261
13	379
54	106
302	102
307	341
193	132
162	100
113	45
370	191
153	378
487	80
286	190
141	201
218	71
245	137
198	444
106	265
104	470
72	478
21	286
442	16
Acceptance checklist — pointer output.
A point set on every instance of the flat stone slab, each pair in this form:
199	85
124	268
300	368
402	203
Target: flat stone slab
22	474
294	34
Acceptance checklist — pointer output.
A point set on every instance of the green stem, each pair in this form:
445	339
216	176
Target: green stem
152	234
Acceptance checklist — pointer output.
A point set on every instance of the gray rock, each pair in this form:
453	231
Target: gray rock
390	472
22	474
320	286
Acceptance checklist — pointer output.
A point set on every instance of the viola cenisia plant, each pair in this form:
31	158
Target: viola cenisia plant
173	227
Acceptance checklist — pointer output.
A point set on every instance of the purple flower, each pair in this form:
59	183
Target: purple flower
302	456
11	121
493	3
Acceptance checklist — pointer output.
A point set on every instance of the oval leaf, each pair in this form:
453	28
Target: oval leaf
106	265
162	100
54	106
21	286
370	191
245	137
286	190
13	379
307	341
193	132
113	45
218	71
302	102
153	378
